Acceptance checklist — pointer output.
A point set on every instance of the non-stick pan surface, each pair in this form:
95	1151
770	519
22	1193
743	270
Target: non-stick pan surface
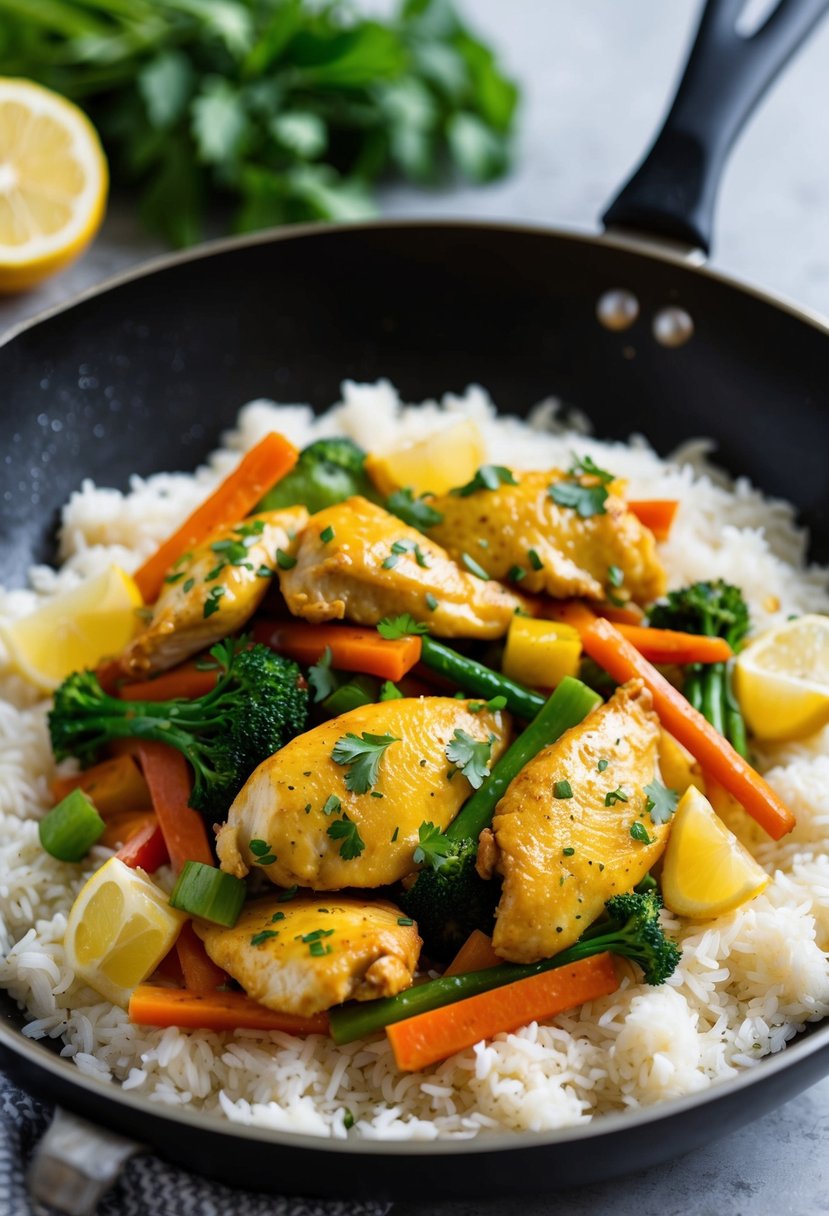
146	374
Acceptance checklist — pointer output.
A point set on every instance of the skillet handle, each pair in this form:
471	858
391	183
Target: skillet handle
75	1163
672	193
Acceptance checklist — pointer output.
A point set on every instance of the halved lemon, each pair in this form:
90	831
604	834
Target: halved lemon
435	464
706	870
53	183
74	630
782	679
119	929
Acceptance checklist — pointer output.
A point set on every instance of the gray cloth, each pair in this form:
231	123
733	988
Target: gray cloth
147	1185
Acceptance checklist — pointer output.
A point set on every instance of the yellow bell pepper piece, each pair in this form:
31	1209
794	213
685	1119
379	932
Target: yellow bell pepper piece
541	653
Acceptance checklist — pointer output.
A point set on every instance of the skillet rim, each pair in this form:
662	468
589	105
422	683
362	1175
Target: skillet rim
794	1052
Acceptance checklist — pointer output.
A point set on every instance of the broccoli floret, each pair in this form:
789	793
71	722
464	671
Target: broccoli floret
449	902
715	609
631	928
327	472
258	704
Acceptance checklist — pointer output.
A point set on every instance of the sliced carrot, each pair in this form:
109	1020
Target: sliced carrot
476	954
620	659
156	1006
121	828
184	681
168	776
113	785
621	616
230	502
110	673
146	850
428	1037
656	645
352	648
170	969
200	972
657	514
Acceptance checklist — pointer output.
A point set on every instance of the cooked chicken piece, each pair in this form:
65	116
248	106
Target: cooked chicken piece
561	854
520	528
374	566
297	807
213	591
306	954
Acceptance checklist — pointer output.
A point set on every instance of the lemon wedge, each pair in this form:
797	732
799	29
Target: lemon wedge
782	679
53	183
706	870
119	929
74	630
435	464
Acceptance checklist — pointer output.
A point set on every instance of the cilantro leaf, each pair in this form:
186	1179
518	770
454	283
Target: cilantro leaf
614	796
470	756
434	849
661	802
488	477
321	678
393	627
587	493
416	512
351	842
362	754
639	832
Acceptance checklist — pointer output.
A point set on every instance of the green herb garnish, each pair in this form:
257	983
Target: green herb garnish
362	754
661	802
562	789
470	756
614	796
639	832
351	842
394	627
488	477
474	568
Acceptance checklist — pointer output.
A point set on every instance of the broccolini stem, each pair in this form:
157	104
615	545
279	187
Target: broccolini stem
479	680
735	727
713	696
693	684
566	707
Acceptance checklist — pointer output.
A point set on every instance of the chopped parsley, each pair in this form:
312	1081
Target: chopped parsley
562	789
327	535
431	602
264	572
400	547
405	920
615	576
391	561
395	834
516	573
348	1119
277	916
474	568
494	703
315	935
602	765
661	802
287	894
263	936
587	499
413	511
639	832
362	754
188	585
390	692
351	842
173	578
321	678
332	805
470	756
534	560
211	604
318	949
393	627
434	849
614	796
569	851
284	560
262	852
488	477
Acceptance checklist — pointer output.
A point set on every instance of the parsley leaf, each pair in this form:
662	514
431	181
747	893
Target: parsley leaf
362	754
393	627
614	796
661	801
488	477
434	849
562	789
413	511
321	678
331	806
639	832
587	493
471	756
351	842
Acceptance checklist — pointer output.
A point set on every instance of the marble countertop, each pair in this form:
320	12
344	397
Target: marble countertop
596	78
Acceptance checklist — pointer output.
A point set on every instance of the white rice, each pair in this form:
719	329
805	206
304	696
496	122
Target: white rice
747	983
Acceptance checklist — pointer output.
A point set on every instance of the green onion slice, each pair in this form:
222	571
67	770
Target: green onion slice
209	893
71	828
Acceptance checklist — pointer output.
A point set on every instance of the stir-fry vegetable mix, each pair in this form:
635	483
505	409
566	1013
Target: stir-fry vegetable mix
384	796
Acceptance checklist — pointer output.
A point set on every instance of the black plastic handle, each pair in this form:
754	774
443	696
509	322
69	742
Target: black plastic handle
672	193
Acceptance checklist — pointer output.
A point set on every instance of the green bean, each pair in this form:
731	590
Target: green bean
480	681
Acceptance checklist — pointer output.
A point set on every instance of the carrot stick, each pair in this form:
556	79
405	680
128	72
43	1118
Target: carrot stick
476	954
155	1006
200	972
656	645
657	514
428	1037
620	659
113	785
146	850
352	648
184	681
121	828
168	776
230	502
619	615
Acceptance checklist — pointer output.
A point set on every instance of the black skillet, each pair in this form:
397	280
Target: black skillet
145	374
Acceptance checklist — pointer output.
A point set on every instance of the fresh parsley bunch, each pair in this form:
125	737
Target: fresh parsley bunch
287	109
